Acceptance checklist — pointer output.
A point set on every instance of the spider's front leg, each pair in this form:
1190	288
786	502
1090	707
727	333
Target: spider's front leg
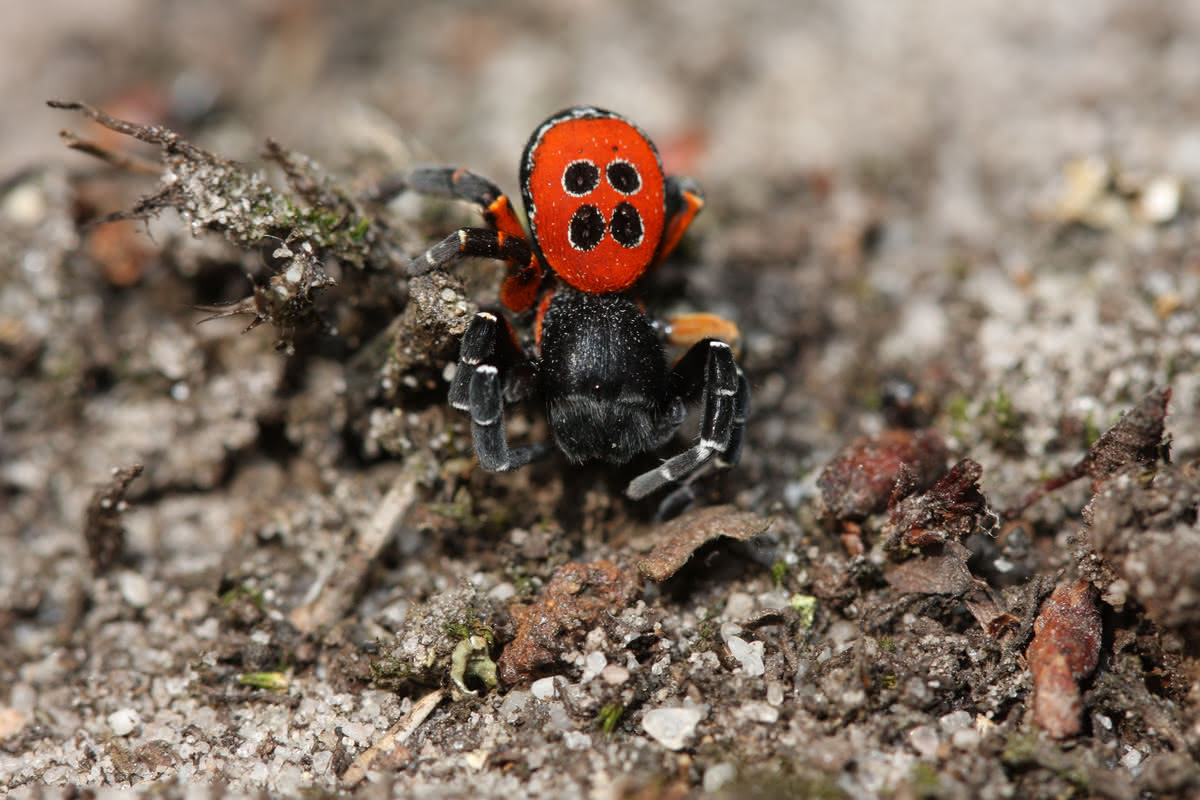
503	239
492	371
708	369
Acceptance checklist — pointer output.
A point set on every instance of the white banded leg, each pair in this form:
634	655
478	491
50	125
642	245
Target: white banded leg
721	392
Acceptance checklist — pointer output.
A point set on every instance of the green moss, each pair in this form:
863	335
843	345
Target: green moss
271	681
1020	748
243	592
1091	431
1002	409
924	780
805	605
779	571
608	718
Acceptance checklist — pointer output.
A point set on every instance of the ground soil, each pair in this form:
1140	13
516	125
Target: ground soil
975	218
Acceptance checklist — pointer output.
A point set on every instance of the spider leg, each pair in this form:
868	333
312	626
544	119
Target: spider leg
684	330
684	200
503	239
707	369
488	347
456	184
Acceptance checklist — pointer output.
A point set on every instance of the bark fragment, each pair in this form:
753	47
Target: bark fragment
1064	651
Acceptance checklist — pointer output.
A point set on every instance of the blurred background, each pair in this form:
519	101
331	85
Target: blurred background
965	93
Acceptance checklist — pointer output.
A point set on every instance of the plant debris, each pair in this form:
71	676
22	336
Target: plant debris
950	510
296	231
577	597
335	591
942	569
875	470
427	650
103	530
1064	651
1137	438
680	538
390	747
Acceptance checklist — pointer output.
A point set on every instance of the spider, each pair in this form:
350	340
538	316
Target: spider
601	214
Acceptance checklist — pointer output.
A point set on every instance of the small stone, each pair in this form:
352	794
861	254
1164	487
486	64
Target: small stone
502	592
775	693
321	761
672	727
514	703
358	733
1160	199
11	722
577	740
965	739
123	722
1132	758
761	712
955	721
135	589
614	674
924	739
739	605
718	775
593	664
748	654
543	688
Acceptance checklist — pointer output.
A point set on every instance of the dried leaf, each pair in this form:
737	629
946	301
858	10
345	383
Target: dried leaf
942	570
683	536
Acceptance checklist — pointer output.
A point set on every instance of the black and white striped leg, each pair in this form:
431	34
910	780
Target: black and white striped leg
741	406
491	372
487	425
457	184
477	242
724	397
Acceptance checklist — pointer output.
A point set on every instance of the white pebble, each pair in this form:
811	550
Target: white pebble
577	740
760	712
965	739
593	664
123	722
614	674
955	721
672	727
514	703
748	654
924	739
543	688
135	589
739	605
321	761
718	775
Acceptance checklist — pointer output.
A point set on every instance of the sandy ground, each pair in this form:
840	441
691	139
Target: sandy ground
988	200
